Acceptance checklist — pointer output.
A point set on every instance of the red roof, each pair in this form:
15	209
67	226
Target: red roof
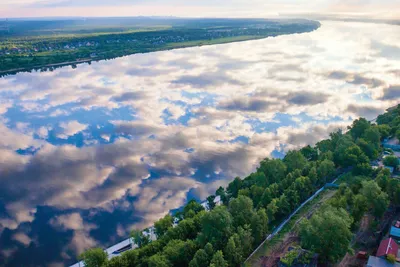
387	246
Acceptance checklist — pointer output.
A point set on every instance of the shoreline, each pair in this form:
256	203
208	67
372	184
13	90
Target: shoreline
200	43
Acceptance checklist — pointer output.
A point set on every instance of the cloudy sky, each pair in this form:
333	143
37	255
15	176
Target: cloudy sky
196	8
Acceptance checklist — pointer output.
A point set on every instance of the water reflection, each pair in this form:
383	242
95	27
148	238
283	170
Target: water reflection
88	153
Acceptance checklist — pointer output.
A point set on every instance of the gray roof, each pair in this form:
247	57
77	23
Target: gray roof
379	262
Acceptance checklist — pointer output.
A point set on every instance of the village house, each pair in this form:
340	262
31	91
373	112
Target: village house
387	247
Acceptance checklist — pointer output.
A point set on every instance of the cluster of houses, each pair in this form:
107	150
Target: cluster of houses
43	47
172	37
388	246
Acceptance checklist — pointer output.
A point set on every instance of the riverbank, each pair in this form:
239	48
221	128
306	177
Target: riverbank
24	55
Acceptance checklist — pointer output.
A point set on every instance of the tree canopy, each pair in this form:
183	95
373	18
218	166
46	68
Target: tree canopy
327	233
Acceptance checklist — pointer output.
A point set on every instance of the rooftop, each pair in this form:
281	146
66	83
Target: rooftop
379	262
387	246
395	232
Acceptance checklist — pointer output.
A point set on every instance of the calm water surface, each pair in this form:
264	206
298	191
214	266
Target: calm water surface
87	154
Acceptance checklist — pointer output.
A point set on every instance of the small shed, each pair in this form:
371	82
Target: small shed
387	246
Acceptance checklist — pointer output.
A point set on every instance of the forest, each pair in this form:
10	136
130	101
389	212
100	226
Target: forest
228	233
45	45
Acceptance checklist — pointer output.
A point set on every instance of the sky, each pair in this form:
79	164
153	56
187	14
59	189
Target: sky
197	8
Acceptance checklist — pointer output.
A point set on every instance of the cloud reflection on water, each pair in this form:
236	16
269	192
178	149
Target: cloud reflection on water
87	153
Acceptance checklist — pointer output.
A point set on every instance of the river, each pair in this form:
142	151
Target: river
88	153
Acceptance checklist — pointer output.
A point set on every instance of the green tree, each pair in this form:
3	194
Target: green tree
294	160
95	257
391	161
312	174
239	246
368	148
192	208
274	170
303	186
327	233
162	225
159	260
139	238
221	192
383	179
283	207
234	187
393	190
241	209
363	169
384	130
216	227
233	253
270	192
343	143
179	253
131	257
359	207
325	146
292	197
373	136
218	260
245	240
309	153
377	200
186	229
256	193
200	259
272	209
117	262
259	225
211	202
354	155
359	127
398	134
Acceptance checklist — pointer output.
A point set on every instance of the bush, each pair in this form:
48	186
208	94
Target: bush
391	258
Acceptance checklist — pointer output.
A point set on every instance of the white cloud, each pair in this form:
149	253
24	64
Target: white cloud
71	128
22	238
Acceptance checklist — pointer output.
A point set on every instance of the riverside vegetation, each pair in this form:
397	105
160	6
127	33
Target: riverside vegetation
227	234
47	44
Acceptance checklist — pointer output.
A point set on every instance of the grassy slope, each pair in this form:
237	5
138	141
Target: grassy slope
268	246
